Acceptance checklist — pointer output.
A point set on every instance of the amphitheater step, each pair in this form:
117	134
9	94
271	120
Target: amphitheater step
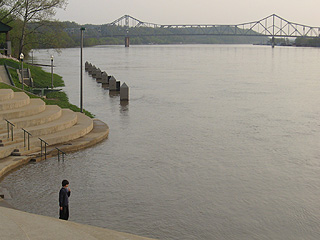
35	106
50	123
84	126
6	94
20	99
51	113
68	119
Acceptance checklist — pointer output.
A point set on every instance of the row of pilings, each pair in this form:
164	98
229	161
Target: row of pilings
108	82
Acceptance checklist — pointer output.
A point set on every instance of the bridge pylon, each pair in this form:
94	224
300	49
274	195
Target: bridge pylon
126	41
272	42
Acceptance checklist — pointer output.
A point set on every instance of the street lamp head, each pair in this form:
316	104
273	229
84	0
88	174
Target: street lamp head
51	57
21	56
82	28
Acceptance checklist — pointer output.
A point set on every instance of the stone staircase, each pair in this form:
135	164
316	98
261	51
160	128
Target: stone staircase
50	123
27	79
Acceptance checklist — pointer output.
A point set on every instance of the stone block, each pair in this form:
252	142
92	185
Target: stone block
112	84
93	68
104	78
86	66
124	92
98	75
95	71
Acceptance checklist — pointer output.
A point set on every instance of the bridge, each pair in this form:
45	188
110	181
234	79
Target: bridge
272	26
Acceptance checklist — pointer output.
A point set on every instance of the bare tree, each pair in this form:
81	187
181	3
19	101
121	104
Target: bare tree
7	8
32	11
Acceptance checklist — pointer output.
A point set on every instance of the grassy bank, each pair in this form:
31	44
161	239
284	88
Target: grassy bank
41	79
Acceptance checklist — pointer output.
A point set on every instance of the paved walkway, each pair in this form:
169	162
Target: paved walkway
4	76
17	225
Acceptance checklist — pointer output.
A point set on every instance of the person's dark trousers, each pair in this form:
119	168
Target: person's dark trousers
64	213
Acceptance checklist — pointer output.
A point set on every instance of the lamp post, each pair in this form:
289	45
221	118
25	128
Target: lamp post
81	70
51	71
21	58
32	56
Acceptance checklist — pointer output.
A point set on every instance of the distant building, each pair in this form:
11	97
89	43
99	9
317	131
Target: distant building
6	47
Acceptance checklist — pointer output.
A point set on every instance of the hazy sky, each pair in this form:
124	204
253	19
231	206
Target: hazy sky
191	11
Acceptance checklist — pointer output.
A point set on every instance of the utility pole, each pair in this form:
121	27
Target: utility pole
51	71
82	29
22	79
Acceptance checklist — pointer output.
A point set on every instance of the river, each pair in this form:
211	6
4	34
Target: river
217	142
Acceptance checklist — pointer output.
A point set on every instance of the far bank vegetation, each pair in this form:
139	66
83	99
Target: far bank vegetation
34	27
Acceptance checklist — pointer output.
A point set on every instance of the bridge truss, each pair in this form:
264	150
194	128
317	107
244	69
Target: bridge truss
271	26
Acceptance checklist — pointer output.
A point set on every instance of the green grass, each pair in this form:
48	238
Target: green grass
61	99
41	79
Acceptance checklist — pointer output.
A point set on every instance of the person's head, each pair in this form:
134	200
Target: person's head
65	183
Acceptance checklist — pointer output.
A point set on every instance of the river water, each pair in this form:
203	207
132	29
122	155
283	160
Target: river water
217	142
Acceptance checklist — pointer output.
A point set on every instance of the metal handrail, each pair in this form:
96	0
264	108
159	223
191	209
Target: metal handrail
24	137
8	128
62	152
45	148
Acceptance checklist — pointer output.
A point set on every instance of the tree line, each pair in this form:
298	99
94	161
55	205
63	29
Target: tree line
34	27
28	18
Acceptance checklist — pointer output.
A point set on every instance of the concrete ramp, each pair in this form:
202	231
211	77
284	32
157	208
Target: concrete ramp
4	76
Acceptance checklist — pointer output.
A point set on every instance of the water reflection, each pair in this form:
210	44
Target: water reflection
114	94
105	86
124	106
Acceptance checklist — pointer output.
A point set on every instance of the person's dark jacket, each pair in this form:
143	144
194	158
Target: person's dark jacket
64	195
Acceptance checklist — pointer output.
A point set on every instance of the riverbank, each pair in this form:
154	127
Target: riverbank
15	224
99	132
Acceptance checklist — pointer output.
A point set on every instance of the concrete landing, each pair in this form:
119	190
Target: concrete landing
19	225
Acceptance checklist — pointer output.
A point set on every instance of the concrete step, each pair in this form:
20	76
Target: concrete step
6	94
35	106
99	132
83	126
7	150
19	100
51	113
67	120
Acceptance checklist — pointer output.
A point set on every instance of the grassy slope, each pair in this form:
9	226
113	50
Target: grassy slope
41	79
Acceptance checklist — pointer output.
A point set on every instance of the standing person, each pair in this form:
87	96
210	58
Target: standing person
64	195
